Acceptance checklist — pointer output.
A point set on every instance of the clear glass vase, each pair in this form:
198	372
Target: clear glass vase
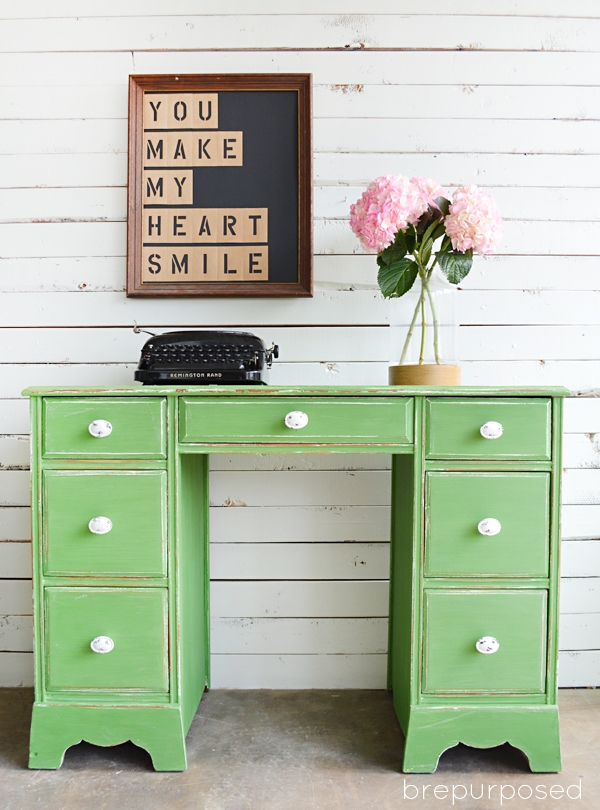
434	343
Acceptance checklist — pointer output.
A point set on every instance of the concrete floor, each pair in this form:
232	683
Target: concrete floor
309	750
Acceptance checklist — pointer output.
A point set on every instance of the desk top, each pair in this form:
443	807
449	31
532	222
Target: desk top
301	391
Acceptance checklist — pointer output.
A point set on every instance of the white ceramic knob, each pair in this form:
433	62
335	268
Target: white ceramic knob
489	527
487	645
100	525
100	428
102	644
491	430
296	420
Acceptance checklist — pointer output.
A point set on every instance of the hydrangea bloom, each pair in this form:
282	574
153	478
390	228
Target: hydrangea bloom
388	205
474	221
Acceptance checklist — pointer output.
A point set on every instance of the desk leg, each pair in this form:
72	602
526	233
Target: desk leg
158	730
431	731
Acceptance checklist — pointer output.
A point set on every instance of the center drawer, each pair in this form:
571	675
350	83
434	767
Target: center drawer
367	420
130	541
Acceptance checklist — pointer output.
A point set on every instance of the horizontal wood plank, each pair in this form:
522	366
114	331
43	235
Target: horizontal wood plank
306	344
580	522
466	67
15	523
299	636
581	450
352	307
106	274
16	635
327	524
14	416
15	560
582	414
553	171
14	452
130	8
300	599
114	309
16	597
580	595
293	31
109	204
580	558
579	669
408	135
16	669
365	100
580	631
581	486
15	488
299	488
99	238
298	561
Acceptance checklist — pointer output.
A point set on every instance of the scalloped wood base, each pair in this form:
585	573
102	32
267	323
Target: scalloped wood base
432	730
157	729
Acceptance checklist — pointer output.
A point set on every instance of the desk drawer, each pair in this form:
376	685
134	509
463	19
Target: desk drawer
135	619
135	503
456	503
455	620
454	424
138	427
368	420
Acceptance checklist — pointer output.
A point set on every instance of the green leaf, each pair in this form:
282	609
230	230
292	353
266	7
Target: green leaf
429	232
399	243
425	251
396	278
455	266
440	230
409	240
443	204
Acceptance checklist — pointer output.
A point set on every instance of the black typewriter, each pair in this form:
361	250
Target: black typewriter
204	358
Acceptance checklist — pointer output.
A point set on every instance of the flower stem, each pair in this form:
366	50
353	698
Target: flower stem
423	322
410	332
436	331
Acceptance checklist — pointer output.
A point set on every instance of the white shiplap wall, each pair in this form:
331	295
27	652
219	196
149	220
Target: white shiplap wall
505	95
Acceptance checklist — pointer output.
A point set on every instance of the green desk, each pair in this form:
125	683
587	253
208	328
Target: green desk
120	482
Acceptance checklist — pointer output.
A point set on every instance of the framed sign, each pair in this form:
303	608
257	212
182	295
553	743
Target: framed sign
220	185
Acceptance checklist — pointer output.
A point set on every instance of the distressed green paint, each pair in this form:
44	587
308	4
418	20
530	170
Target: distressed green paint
136	621
432	730
454	620
157	729
139	428
455	504
453	428
194	581
444	590
235	420
137	543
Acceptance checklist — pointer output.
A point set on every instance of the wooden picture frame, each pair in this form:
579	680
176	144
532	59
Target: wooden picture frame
220	185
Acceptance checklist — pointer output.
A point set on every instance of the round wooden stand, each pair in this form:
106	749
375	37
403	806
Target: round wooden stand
425	374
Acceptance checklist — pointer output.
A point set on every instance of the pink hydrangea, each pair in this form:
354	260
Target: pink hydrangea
474	221
388	205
